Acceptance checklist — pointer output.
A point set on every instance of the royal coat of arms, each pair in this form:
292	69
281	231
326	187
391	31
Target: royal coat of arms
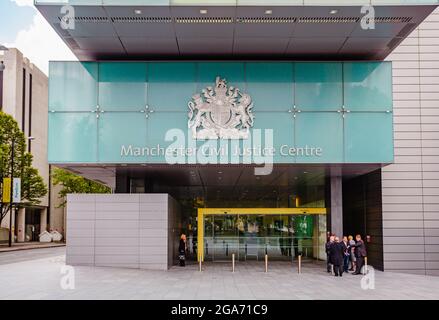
221	112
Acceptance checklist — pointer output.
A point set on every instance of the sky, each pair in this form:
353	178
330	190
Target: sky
24	28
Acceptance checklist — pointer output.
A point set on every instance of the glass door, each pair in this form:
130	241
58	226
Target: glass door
224	237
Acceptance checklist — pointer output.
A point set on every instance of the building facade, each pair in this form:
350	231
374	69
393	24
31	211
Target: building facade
25	97
270	126
410	185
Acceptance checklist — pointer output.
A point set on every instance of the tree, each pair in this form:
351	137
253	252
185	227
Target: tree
32	184
73	183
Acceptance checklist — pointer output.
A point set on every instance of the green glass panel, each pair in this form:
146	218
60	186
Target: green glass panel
369	137
303	226
159	123
233	72
122	86
322	130
122	135
318	86
368	86
73	86
270	85
72	137
282	126
171	85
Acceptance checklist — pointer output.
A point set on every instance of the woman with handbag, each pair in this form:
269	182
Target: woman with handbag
182	250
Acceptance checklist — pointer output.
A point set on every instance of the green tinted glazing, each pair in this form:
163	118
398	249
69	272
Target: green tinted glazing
318	86
368	138
171	85
320	131
96	108
122	86
367	86
120	133
72	137
73	86
270	94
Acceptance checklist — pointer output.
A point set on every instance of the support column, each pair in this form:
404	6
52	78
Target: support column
122	182
43	220
337	205
20	225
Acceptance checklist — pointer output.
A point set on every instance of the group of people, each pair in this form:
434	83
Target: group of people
346	255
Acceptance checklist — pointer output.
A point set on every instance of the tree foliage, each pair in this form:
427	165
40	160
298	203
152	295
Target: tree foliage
32	184
73	183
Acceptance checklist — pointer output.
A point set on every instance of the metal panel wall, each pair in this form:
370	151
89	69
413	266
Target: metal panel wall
119	230
411	185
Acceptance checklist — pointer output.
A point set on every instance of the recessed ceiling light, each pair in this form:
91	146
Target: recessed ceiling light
220	172
269	11
203	11
137	11
305	172
334	11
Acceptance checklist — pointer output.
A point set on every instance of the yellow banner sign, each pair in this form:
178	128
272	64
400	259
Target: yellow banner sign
6	190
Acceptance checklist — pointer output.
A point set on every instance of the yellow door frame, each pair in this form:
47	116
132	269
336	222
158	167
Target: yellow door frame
202	212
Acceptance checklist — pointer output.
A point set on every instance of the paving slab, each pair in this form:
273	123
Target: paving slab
41	278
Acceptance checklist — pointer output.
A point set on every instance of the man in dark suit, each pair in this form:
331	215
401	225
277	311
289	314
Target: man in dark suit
360	253
336	256
327	249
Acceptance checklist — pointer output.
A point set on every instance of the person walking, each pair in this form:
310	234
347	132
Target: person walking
327	249
346	253
352	253
336	256
360	253
182	250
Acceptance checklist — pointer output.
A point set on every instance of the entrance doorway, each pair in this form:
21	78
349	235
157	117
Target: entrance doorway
250	233
32	224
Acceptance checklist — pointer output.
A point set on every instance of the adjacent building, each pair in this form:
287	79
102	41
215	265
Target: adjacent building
253	128
24	95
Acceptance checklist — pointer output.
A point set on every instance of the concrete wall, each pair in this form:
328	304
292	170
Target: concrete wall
121	230
411	185
35	122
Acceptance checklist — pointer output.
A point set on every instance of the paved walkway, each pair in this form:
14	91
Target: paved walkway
40	279
29	245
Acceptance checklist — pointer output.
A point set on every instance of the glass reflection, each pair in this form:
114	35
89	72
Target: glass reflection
251	236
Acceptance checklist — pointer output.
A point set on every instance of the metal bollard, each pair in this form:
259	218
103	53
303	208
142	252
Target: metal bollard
266	263
299	265
233	262
365	266
200	263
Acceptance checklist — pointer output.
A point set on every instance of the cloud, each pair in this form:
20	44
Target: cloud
24	3
40	43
